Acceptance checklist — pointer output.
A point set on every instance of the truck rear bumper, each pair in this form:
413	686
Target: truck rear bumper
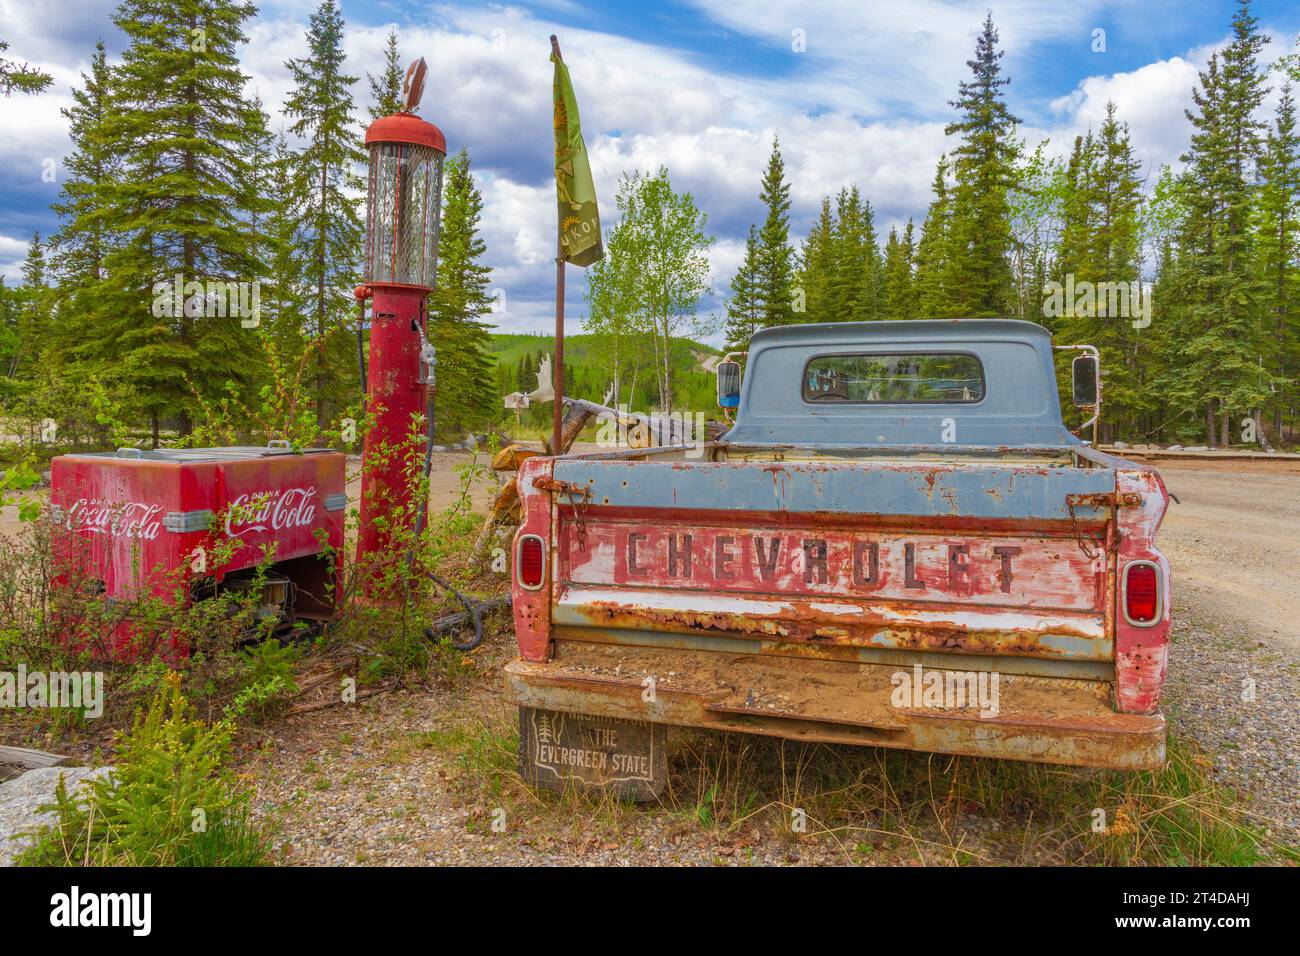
1014	717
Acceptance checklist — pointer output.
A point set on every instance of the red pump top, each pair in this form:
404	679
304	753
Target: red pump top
406	128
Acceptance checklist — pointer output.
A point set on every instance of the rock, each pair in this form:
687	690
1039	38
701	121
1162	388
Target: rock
20	797
1174	448
1197	448
1121	444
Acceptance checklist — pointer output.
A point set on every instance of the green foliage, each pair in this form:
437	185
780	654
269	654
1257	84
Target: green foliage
898	295
979	231
177	120
386	88
1277	226
19	77
1212	279
744	307
268	680
20	477
466	396
326	191
773	257
855	277
657	271
170	801
934	251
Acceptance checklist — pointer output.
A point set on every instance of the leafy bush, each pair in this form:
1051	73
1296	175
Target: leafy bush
169	802
268	680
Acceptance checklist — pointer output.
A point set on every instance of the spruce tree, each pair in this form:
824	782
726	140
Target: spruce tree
33	313
386	88
855	269
20	77
1099	250
1278	243
984	169
79	248
326	192
871	296
179	124
774	273
285	291
893	256
1215	284
815	266
898	293
744	309
466	396
1074	247
934	252
9	309
259	199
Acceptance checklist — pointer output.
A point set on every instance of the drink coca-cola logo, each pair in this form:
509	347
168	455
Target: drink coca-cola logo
271	511
118	519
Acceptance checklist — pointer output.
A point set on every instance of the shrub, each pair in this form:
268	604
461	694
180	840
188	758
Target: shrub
170	801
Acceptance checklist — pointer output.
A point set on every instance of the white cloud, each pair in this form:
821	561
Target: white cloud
12	254
873	59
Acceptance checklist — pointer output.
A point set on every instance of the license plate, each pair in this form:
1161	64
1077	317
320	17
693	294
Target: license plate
559	751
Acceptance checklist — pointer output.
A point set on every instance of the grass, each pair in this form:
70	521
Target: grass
876	805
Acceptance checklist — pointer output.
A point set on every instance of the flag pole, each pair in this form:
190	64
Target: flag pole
557	373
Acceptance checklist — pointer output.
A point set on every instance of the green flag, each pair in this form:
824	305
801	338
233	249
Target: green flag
575	193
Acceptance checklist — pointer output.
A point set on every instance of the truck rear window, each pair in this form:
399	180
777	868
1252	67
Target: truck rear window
895	378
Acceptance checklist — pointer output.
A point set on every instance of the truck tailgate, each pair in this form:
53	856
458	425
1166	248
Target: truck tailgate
985	559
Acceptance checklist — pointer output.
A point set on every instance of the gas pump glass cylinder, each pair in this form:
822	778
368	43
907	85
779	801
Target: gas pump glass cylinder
403	212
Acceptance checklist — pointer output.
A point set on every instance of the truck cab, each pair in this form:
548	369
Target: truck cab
897	543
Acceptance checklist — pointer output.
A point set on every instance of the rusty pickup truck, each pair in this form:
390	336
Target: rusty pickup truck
898	543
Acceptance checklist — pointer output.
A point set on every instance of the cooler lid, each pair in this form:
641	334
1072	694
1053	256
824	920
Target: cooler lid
185	455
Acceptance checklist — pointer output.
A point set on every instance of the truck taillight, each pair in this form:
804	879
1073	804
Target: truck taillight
530	562
1142	593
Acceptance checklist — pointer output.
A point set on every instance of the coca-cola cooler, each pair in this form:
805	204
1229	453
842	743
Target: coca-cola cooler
137	523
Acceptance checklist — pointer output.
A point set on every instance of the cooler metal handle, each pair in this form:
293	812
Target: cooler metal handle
279	443
137	453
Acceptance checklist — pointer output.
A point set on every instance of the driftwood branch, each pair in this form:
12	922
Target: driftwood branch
30	759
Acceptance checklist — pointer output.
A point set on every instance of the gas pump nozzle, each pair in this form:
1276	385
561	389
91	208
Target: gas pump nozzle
428	356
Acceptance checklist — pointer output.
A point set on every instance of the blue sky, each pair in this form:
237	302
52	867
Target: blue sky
858	92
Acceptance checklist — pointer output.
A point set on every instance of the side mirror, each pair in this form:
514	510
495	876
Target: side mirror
1083	374
728	384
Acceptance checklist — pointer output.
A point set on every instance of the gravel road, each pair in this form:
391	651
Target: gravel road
1234	545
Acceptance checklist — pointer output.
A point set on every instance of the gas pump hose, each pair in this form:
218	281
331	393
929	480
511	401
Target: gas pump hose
474	609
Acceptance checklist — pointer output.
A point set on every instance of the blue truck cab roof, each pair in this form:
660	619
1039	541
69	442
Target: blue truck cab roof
1016	404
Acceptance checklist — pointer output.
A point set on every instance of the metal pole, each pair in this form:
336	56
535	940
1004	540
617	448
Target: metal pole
557	373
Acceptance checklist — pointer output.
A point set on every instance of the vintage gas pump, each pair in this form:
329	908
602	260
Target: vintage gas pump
403	214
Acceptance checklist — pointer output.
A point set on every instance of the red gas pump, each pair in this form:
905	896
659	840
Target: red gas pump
403	213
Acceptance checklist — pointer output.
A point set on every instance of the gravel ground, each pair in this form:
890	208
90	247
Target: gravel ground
353	790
